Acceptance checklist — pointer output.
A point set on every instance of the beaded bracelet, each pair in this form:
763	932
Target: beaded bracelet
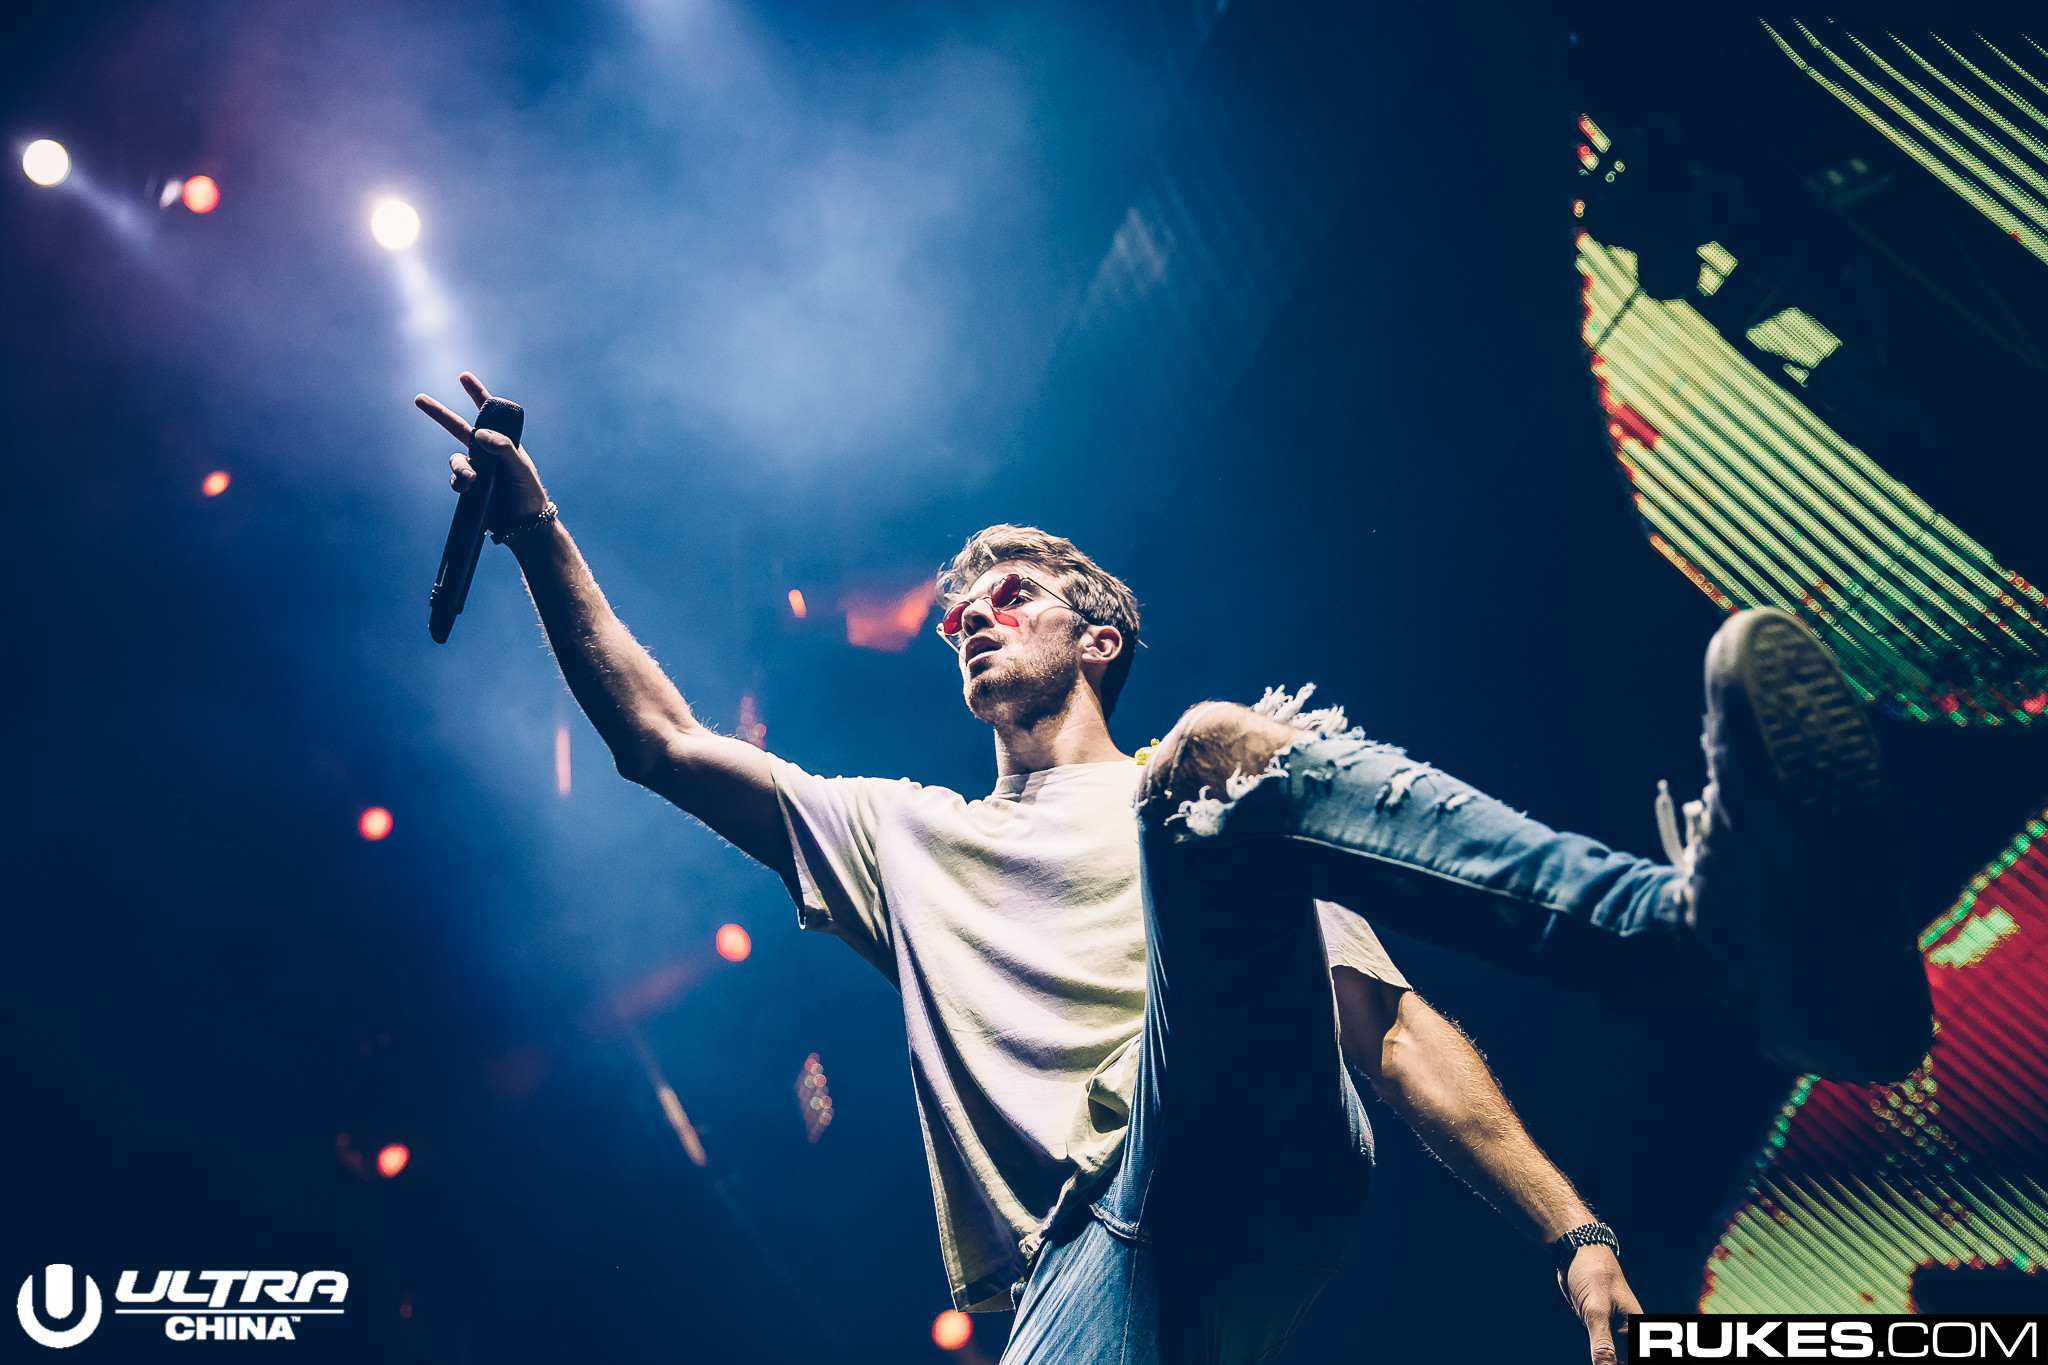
526	527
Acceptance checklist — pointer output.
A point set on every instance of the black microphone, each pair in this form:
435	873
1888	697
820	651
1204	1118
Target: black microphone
466	532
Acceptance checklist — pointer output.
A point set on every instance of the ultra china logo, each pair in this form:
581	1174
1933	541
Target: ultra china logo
60	1301
196	1305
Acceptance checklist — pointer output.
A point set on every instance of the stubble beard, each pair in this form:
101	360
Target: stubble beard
1036	683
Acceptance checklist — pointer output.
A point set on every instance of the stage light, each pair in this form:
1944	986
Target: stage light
46	162
952	1329
889	625
686	1133
391	1159
374	823
671	1107
734	943
214	484
796	605
814	1098
395	225
561	760
201	195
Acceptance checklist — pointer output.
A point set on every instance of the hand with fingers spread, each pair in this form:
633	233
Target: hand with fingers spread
1594	1286
519	493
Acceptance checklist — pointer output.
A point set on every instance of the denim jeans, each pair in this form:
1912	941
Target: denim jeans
1248	1155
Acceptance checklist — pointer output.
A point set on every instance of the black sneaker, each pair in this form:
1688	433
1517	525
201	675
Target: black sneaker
1794	886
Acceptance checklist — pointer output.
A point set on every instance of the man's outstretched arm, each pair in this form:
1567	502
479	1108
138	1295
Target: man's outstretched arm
1430	1075
654	737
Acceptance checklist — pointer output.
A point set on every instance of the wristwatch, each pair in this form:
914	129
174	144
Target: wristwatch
1584	1235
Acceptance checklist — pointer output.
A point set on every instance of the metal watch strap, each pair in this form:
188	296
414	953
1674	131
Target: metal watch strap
526	526
1584	1235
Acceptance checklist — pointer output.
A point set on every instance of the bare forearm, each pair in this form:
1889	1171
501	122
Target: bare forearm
725	782
633	704
1441	1087
1436	1080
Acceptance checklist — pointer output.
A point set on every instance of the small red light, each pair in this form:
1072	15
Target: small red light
952	1329
2033	706
734	943
374	823
391	1159
796	604
201	194
215	483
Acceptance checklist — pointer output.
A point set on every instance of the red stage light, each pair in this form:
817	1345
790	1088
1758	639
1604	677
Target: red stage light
952	1329
374	823
888	626
752	729
201	194
734	943
215	483
391	1159
796	604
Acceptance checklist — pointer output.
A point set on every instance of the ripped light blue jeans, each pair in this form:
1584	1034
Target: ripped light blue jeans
1249	1155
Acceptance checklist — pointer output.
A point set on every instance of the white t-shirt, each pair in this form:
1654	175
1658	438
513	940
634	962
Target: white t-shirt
1014	928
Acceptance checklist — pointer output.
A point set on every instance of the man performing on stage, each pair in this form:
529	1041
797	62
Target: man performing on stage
1132	991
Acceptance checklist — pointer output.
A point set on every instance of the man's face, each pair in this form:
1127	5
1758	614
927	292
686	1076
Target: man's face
1018	674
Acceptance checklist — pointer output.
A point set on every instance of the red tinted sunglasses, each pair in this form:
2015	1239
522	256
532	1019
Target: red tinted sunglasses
1005	593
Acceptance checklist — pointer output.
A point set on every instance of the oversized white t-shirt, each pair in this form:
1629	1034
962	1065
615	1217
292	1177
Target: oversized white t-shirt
1014	928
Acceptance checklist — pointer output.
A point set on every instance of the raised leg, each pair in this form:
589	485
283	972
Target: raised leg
1787	911
1406	845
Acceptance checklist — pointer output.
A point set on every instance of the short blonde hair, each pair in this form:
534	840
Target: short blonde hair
1097	595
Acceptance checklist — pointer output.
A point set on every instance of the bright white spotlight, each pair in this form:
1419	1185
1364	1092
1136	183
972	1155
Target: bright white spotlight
46	162
395	225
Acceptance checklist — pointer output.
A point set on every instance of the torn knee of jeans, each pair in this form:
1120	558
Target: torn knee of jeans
1325	722
1203	815
1224	759
1212	742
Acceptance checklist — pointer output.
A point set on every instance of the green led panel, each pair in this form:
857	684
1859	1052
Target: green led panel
1760	503
1970	112
1862	1190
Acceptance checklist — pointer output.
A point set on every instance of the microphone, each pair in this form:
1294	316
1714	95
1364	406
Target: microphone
466	531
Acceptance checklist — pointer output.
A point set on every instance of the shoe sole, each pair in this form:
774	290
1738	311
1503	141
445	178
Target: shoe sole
1820	743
